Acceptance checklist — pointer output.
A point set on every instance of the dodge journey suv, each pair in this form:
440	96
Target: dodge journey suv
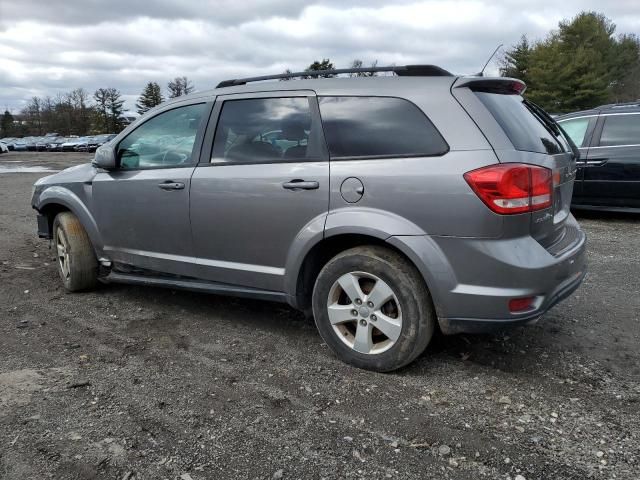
384	206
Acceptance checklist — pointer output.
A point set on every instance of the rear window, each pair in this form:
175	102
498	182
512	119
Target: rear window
357	127
620	130
525	131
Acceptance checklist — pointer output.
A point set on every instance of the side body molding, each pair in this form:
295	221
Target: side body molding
63	196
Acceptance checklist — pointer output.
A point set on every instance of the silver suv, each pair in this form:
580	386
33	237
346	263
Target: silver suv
385	206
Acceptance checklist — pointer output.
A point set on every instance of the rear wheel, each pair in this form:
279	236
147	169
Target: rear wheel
372	307
77	264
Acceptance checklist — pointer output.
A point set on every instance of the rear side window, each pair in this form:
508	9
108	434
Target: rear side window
265	130
525	131
620	130
576	128
357	127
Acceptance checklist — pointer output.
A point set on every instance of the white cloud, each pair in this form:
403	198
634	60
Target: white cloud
51	47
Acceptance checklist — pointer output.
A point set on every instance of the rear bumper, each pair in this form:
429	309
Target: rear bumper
472	280
451	326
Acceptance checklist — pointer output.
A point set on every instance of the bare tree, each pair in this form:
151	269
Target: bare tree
180	86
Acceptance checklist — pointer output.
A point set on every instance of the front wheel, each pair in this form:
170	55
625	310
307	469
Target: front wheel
77	264
373	309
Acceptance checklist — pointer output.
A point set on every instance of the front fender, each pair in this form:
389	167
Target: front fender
58	195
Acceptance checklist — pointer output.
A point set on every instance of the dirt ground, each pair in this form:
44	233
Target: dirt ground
142	383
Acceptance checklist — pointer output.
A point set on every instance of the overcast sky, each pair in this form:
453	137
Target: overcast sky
52	46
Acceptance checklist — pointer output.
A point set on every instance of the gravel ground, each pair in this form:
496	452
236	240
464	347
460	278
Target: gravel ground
143	383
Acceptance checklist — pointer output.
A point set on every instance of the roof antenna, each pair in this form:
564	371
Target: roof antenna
481	73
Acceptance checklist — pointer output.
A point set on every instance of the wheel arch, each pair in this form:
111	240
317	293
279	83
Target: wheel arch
322	251
55	200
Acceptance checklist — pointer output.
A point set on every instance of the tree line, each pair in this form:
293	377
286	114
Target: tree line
78	113
581	65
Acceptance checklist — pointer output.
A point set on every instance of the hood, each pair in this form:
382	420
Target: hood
75	174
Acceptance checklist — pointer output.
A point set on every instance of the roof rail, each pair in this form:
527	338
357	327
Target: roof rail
403	71
620	105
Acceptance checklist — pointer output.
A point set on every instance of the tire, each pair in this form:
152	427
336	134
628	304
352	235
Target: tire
394	332
76	260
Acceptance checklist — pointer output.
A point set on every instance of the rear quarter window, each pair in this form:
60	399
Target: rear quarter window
521	126
366	127
620	130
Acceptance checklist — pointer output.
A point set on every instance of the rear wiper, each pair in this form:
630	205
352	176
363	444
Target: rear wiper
543	117
552	125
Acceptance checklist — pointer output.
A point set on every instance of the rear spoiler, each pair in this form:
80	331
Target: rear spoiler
508	86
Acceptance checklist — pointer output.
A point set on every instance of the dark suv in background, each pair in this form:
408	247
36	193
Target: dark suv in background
608	138
386	206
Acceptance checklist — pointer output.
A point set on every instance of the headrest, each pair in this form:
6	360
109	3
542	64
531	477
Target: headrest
292	130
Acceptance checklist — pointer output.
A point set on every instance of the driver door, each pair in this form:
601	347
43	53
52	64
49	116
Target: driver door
142	207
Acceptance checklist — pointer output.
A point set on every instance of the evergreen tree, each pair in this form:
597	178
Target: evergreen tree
6	124
101	110
579	66
115	109
108	110
180	86
516	62
317	66
150	97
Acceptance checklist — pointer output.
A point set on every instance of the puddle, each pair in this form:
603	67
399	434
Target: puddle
22	169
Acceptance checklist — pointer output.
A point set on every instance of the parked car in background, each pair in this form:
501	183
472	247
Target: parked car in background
20	145
31	143
3	147
385	206
42	144
70	145
81	144
608	137
99	140
8	141
55	144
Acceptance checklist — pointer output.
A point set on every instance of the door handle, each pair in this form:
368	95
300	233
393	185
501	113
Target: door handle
299	184
596	162
168	185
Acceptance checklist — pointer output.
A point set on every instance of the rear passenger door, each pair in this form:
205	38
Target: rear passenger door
263	182
580	130
612	170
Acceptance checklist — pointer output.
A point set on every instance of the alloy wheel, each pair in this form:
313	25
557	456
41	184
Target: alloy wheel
364	312
62	247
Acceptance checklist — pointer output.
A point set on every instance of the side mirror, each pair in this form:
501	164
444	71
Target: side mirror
105	157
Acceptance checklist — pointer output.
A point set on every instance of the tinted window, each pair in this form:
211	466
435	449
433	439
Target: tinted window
576	129
378	127
621	130
525	131
165	140
265	130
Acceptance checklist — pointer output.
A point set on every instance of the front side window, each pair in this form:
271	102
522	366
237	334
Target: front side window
357	127
576	128
620	130
166	140
265	130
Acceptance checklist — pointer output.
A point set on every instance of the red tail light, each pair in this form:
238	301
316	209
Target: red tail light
509	188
